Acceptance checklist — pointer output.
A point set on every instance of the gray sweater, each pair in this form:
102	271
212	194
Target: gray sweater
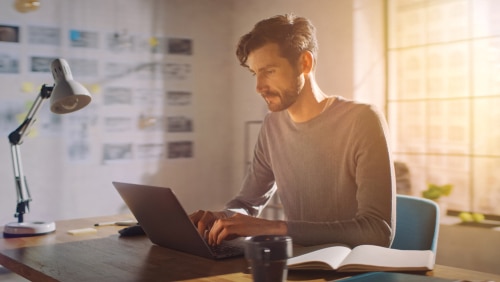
334	176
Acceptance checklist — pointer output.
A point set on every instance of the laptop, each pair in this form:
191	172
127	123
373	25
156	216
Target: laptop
166	223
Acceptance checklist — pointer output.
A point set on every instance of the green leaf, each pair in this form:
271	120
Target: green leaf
434	191
431	194
446	189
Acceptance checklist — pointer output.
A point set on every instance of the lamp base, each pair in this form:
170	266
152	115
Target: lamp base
25	229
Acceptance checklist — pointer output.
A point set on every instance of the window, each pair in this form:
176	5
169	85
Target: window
444	97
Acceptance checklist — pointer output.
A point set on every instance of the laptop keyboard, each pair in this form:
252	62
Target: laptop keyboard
227	250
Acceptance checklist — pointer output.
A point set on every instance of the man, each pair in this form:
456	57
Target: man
329	157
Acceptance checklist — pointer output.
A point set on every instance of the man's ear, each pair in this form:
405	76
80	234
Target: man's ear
306	62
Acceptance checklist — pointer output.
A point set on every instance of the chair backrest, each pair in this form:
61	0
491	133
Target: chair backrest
417	224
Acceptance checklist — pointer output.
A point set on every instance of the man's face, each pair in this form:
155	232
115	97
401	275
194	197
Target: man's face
278	82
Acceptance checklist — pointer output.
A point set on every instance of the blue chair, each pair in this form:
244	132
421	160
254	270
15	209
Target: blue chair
417	224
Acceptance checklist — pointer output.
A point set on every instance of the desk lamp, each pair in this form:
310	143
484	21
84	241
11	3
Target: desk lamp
66	96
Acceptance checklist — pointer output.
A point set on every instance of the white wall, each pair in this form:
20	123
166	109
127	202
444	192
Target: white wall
369	52
223	99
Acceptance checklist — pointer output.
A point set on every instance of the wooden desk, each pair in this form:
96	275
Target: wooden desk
103	256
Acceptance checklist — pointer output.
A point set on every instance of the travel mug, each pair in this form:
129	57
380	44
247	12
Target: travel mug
267	257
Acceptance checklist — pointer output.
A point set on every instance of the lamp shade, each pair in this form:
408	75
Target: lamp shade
25	6
68	95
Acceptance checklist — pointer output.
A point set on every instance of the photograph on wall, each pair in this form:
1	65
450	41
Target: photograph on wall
9	63
48	123
149	122
176	71
148	70
79	147
179	149
143	44
115	70
84	67
117	124
179	124
178	98
149	97
119	42
41	64
163	70
180	46
42	35
9	33
117	152
83	39
78	129
115	95
150	151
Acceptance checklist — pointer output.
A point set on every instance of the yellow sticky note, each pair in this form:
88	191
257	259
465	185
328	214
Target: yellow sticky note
27	87
94	88
82	231
153	41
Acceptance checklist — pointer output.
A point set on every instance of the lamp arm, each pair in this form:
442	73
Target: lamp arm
16	139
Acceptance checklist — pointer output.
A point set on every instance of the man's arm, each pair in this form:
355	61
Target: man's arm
239	216
216	226
240	225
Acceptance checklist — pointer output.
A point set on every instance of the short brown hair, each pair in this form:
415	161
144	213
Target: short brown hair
293	35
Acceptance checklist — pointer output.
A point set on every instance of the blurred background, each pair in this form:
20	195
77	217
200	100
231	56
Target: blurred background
172	107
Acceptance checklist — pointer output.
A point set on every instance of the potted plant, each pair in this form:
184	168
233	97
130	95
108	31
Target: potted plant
435	192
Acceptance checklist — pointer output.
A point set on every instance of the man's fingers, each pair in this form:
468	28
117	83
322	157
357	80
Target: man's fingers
201	228
221	236
205	221
223	229
212	226
214	233
198	220
195	217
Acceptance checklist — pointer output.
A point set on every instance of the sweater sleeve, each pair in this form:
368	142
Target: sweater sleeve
258	185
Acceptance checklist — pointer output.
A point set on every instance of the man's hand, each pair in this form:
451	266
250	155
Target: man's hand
243	225
204	220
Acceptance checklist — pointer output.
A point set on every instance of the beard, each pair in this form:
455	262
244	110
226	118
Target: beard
277	101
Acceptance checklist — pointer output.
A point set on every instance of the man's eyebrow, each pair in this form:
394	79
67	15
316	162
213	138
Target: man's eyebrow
263	68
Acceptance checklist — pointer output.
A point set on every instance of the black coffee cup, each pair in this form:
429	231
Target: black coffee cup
267	257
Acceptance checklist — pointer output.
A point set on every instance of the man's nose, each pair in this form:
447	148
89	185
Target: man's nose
261	85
